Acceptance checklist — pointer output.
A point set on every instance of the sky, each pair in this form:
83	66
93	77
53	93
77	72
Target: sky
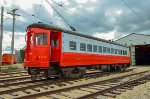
106	19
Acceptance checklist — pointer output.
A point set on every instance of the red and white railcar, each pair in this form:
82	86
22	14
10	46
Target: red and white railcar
56	51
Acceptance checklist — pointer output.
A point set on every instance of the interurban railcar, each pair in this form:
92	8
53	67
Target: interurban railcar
54	51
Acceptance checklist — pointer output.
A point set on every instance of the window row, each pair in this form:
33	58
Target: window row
99	49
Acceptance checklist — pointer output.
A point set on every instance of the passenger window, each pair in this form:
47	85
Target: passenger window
82	47
112	50
89	47
100	49
125	52
108	50
116	51
72	45
41	39
121	52
104	49
94	48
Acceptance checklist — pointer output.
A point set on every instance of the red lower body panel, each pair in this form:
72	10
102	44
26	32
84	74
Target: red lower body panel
76	59
36	64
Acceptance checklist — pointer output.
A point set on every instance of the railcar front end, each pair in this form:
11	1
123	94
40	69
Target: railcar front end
42	51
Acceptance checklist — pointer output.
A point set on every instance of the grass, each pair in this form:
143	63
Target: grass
12	67
15	67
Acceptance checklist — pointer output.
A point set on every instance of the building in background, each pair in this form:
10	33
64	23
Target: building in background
139	48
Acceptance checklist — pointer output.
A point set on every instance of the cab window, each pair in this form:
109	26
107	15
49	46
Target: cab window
40	39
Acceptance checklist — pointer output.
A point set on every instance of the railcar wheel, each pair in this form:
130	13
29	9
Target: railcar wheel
33	77
46	74
29	71
73	72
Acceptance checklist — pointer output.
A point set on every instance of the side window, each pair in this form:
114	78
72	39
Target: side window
94	48
121	52
104	49
126	53
72	45
112	50
116	51
100	49
82	47
89	47
108	50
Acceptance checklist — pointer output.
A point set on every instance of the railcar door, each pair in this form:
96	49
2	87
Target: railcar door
55	46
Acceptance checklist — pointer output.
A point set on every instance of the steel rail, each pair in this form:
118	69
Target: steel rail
39	94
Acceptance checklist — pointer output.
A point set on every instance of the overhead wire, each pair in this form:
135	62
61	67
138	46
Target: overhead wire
6	18
61	16
38	10
76	13
132	10
33	16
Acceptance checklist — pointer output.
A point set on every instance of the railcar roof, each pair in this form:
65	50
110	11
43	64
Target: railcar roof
51	27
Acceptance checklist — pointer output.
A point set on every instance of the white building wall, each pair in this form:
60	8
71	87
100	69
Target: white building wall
132	53
134	39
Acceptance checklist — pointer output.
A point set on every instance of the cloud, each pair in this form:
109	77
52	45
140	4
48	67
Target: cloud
112	35
19	41
103	15
100	18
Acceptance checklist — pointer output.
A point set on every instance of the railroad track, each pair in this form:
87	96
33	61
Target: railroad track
10	73
110	88
26	79
115	89
28	84
14	79
49	88
13	76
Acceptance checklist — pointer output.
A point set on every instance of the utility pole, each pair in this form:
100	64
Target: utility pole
13	13
1	37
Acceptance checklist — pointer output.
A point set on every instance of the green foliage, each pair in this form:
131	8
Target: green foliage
13	67
22	53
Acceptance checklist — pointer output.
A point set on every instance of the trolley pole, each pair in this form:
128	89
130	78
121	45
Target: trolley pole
1	36
13	13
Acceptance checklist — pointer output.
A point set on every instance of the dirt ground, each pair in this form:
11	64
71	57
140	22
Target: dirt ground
139	92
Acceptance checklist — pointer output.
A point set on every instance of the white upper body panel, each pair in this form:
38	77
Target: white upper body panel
66	38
